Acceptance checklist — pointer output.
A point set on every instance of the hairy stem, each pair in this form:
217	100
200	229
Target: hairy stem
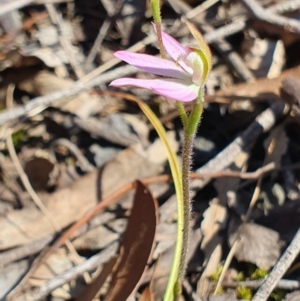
190	130
182	113
159	40
155	8
186	164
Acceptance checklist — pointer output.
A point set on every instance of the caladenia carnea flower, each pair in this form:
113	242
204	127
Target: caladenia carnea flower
183	74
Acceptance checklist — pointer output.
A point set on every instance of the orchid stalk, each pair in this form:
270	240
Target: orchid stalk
183	73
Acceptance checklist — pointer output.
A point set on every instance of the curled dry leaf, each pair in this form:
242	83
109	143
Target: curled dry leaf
92	290
256	244
136	245
260	89
147	294
134	251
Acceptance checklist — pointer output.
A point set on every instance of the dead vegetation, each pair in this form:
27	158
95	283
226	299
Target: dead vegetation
88	209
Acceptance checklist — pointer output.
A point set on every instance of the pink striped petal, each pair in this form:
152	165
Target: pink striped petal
152	64
174	49
175	89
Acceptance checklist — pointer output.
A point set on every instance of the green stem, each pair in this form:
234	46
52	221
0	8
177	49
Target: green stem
159	41
190	129
186	164
182	113
155	8
195	116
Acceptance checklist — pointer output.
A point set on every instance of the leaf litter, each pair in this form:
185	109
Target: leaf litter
46	49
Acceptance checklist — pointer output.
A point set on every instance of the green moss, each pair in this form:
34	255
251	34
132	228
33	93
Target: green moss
259	274
216	275
220	291
240	277
278	294
244	293
18	137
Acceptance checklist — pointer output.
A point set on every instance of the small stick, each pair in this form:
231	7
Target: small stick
97	78
285	284
73	273
56	19
279	270
258	12
261	124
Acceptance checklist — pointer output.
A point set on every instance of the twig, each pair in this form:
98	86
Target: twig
226	266
284	284
32	248
125	189
32	193
85	165
7	7
284	7
36	246
200	8
226	30
97	44
87	82
232	57
112	10
262	123
240	24
39	204
258	12
96	78
64	42
278	271
246	219
73	273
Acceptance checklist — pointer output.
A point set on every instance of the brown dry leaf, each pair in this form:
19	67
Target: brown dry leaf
10	275
91	290
283	219
95	239
147	294
224	297
264	57
38	171
260	89
161	274
214	219
204	283
70	204
44	83
275	145
294	296
56	264
256	244
136	245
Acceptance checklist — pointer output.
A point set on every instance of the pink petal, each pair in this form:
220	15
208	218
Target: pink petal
152	64
174	49
175	89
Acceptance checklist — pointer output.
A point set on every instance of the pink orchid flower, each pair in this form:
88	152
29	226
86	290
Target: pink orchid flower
183	74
